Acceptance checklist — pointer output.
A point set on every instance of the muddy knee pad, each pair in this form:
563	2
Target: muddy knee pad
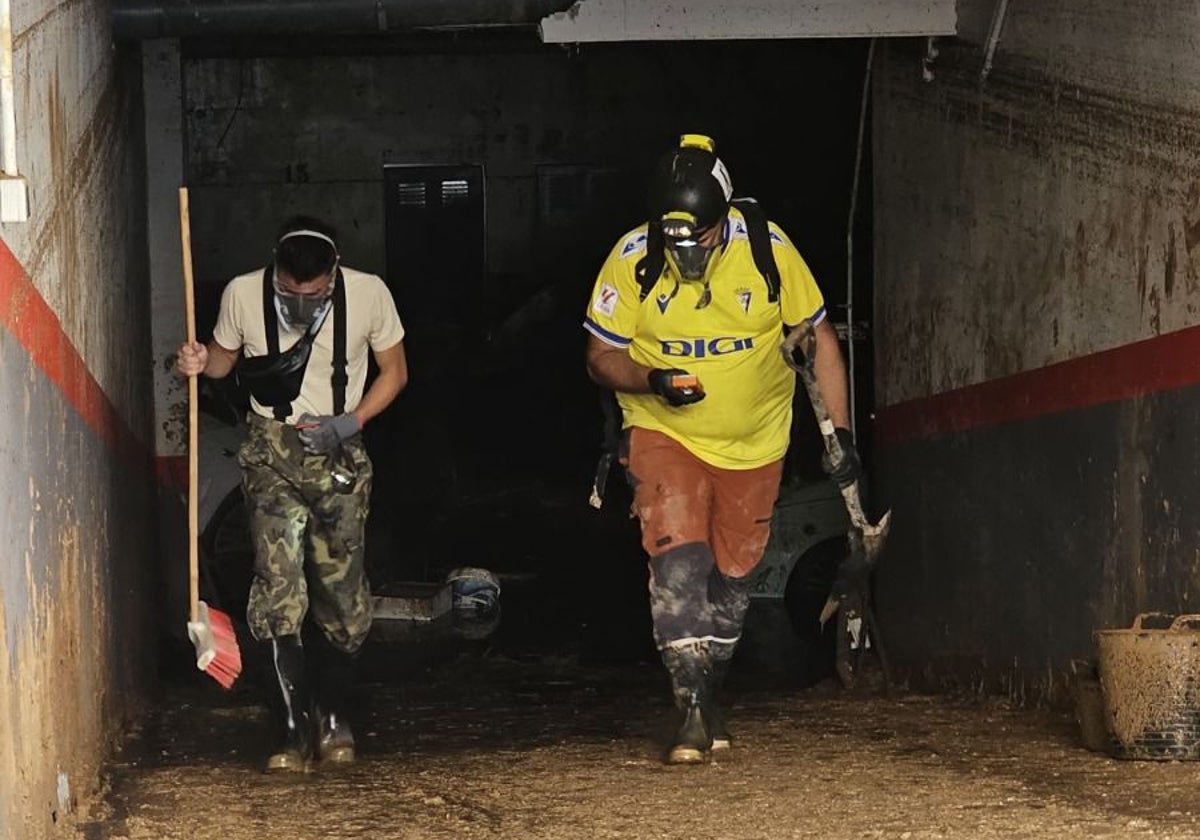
679	603
730	598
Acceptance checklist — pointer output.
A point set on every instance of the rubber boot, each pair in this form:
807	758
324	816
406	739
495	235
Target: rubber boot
335	741
714	715
296	751
730	598
690	676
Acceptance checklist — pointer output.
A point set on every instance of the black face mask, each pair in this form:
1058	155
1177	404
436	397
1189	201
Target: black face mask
298	310
682	237
690	257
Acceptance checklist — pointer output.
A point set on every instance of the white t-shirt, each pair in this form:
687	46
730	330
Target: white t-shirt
371	324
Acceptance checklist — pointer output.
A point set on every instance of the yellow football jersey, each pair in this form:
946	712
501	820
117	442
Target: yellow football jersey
731	345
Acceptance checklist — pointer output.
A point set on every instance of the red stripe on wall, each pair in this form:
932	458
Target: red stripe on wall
25	314
1162	363
172	471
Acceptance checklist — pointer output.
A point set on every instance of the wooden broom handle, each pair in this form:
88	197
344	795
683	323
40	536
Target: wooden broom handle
193	502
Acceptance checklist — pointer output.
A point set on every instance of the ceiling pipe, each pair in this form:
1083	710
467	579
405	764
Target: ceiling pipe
144	19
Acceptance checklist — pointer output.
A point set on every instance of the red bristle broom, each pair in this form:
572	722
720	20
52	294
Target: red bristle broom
210	630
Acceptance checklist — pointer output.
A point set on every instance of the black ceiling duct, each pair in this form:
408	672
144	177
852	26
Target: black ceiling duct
140	19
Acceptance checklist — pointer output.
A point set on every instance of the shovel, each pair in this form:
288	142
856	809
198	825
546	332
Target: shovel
850	595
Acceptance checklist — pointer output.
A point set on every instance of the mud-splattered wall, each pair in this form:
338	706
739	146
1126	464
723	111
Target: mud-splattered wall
1037	226
76	574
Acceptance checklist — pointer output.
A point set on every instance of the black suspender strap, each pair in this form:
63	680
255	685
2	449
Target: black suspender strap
340	378
759	234
271	326
650	267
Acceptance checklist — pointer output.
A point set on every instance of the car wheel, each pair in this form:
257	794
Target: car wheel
807	590
227	556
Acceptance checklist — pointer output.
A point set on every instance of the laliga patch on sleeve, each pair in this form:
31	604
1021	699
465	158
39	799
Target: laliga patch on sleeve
606	300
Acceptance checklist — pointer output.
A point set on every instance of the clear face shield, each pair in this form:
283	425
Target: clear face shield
689	249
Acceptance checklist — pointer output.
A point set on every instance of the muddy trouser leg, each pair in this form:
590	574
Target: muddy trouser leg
672	499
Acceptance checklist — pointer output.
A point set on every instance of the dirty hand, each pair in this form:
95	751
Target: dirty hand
323	434
677	387
849	469
191	359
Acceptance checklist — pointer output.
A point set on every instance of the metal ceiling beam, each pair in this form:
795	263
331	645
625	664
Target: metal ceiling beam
142	19
672	20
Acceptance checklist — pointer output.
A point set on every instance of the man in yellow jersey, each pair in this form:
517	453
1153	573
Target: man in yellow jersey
686	331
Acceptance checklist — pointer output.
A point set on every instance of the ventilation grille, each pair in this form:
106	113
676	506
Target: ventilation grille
412	194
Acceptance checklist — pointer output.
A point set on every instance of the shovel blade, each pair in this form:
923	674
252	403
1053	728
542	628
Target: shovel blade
874	536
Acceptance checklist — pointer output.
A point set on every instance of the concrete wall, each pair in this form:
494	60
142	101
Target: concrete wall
271	136
76	483
1037	287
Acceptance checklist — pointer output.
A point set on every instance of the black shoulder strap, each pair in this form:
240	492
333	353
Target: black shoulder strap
270	318
271	327
759	234
650	267
340	377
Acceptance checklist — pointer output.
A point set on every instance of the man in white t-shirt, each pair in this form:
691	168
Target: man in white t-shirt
299	333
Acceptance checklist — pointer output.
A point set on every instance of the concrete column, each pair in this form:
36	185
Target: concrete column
162	80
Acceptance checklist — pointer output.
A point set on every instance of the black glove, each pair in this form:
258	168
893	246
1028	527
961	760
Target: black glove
662	383
325	433
849	469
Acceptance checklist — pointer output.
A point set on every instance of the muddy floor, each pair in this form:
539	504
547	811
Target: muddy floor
551	722
462	739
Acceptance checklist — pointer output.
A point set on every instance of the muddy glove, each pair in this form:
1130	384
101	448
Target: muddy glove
849	469
677	387
325	433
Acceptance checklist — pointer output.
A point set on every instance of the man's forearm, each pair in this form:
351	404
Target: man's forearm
830	371
611	368
220	361
386	387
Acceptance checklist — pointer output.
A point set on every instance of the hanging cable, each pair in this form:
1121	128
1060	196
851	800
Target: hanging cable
862	126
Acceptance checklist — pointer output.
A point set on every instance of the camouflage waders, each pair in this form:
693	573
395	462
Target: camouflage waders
308	537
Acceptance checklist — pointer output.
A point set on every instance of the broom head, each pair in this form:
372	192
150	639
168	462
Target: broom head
216	644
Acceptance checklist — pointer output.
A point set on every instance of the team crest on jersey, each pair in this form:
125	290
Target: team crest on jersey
606	300
636	242
744	296
662	300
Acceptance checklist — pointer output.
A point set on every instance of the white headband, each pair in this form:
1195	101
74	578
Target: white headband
313	233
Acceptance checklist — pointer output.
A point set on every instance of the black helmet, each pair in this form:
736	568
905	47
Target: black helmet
691	181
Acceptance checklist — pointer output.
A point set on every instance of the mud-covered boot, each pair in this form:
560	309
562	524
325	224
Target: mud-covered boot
687	666
335	741
714	716
296	751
